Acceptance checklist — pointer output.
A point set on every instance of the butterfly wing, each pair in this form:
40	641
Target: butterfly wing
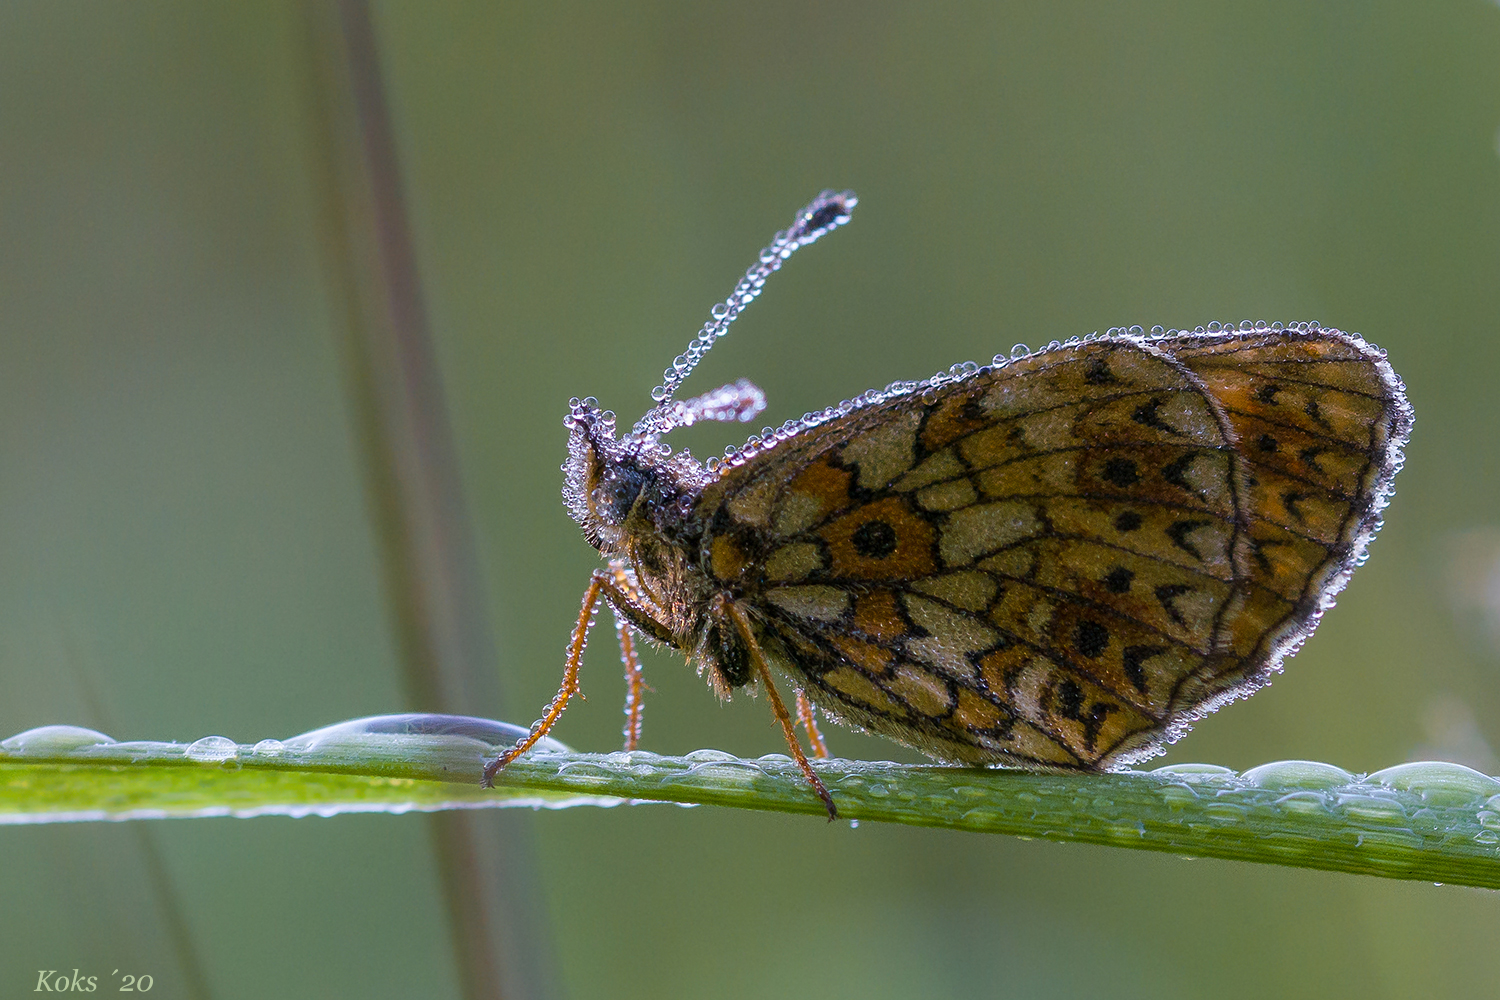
1321	421
1060	561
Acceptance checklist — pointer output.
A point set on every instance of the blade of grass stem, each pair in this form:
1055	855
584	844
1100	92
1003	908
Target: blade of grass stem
1433	822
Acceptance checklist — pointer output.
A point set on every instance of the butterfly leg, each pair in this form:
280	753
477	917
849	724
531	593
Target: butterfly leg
742	625
807	714
601	584
633	684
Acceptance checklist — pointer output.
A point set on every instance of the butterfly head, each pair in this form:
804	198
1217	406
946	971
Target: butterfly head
603	475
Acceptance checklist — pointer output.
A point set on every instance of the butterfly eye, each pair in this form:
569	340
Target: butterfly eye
616	493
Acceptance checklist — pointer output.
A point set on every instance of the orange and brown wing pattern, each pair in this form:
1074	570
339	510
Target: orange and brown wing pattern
1062	560
1321	421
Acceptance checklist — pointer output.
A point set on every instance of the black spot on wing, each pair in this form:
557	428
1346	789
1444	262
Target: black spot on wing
1068	703
1147	416
874	539
1290	499
1167	593
1175	472
1310	457
1135	658
1178	531
1069	699
1121	472
1090	638
1099	373
1312	410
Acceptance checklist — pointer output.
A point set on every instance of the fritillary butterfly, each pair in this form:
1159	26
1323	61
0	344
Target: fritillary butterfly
1060	559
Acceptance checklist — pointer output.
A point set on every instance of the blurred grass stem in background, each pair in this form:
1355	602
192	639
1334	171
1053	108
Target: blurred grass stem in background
432	581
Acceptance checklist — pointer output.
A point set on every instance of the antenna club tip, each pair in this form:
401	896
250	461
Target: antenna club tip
828	210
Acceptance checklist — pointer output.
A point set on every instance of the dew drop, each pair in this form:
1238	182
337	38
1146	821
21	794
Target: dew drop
268	748
1297	774
1178	795
1019	351
1195	772
709	756
47	741
1302	803
211	750
1372	808
1438	782
415	724
1225	812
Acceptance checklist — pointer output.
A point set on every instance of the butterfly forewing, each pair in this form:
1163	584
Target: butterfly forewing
1063	559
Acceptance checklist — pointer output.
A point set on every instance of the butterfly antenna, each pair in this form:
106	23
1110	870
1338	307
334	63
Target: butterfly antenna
740	401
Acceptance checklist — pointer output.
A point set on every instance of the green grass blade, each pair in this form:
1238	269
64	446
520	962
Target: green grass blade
1434	822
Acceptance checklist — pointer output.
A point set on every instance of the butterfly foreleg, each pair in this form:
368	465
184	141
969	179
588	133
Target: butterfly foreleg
615	586
724	605
634	684
636	608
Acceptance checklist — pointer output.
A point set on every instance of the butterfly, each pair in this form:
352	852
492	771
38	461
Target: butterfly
1061	559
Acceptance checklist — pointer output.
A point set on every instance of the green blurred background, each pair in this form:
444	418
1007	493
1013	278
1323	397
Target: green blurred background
187	544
